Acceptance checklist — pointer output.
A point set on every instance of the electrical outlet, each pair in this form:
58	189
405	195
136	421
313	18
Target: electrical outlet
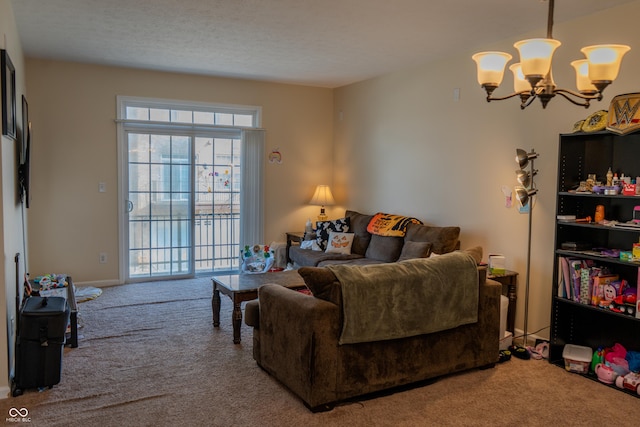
103	257
102	187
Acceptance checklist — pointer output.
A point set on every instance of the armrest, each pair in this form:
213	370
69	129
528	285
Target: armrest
287	312
299	339
489	311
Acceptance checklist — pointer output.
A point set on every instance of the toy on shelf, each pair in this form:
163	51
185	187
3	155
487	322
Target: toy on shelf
631	382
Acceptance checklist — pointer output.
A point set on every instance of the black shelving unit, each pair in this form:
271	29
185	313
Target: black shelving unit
572	322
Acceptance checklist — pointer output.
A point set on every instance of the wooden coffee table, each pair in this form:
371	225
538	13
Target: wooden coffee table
244	287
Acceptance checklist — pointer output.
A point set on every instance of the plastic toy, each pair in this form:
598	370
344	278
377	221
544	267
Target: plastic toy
625	304
598	357
605	373
256	259
630	382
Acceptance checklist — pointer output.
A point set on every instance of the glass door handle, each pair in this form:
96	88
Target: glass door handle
129	206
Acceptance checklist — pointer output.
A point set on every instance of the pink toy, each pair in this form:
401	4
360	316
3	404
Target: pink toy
631	382
605	373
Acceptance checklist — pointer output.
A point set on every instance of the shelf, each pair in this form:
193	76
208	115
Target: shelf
604	196
602	258
593	377
600	311
598	226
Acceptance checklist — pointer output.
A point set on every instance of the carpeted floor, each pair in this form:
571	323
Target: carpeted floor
150	356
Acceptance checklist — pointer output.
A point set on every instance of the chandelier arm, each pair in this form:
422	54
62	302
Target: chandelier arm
584	104
597	95
502	98
525	103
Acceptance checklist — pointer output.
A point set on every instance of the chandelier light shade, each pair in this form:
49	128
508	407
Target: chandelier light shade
535	57
604	61
583	82
520	84
322	197
533	74
491	67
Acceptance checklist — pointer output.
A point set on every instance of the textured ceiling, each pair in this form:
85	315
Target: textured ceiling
326	43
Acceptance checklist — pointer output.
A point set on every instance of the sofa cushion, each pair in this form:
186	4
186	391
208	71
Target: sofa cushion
308	257
339	243
351	261
384	248
323	228
412	250
358	225
322	283
443	239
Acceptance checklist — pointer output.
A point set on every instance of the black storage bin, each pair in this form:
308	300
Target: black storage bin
41	334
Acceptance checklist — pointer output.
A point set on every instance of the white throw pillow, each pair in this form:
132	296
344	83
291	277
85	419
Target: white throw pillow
310	244
339	242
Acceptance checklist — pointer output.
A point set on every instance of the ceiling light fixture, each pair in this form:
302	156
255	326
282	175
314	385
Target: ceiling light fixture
532	75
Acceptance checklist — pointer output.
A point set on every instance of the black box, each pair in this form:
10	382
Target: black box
41	335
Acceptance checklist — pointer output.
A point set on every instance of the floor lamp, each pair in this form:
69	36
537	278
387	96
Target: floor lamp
524	194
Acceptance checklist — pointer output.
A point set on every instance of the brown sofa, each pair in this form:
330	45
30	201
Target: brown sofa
297	337
374	249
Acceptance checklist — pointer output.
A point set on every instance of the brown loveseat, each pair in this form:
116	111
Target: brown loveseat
419	241
300	339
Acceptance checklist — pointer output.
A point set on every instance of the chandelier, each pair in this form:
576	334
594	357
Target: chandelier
532	75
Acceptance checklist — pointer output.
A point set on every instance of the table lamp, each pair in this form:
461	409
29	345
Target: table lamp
322	197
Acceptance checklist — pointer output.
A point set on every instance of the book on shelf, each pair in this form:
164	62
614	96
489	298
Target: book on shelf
580	280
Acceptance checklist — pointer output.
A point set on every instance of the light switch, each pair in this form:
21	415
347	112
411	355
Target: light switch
102	187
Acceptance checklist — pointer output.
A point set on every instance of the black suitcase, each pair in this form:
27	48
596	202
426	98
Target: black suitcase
41	334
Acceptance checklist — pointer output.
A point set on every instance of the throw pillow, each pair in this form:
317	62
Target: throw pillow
384	248
358	225
310	244
339	243
322	283
444	239
323	228
411	250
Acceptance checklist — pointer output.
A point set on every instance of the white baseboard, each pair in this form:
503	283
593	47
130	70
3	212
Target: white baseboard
5	392
518	336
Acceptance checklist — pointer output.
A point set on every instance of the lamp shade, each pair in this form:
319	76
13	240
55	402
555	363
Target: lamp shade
522	157
583	82
523	177
524	196
491	67
322	196
604	60
519	82
536	55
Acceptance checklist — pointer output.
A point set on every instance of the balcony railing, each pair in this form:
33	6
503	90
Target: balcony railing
160	245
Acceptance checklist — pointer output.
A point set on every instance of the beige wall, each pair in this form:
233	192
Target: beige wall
73	108
404	145
11	214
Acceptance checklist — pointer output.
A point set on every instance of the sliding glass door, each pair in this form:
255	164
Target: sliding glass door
160	205
181	166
